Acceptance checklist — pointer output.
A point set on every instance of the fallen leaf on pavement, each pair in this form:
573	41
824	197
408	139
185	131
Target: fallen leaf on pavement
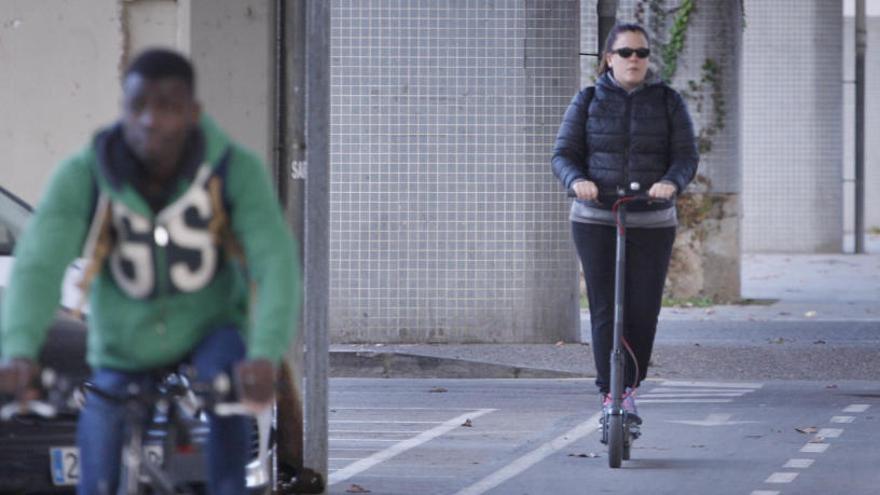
560	344
831	386
817	439
806	430
468	423
820	341
780	340
591	455
810	314
438	390
355	488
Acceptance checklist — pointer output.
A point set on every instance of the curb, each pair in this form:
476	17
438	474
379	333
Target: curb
369	364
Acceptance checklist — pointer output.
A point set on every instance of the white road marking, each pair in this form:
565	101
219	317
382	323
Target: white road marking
856	408
653	395
384	422
781	478
379	432
673	383
799	463
683	401
815	448
711	420
843	419
389	440
666	390
525	462
829	432
334	409
400	447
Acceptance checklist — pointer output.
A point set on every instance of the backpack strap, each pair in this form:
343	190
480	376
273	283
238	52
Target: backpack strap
98	244
220	226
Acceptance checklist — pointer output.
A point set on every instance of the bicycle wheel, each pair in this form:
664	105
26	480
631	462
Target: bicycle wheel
615	440
130	464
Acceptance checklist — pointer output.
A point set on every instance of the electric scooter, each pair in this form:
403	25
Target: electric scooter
619	428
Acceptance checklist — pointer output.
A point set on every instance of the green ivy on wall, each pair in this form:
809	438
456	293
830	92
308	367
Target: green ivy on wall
674	46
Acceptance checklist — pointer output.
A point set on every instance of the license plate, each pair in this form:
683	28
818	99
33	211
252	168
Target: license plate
65	464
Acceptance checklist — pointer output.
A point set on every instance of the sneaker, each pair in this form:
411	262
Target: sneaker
629	405
606	400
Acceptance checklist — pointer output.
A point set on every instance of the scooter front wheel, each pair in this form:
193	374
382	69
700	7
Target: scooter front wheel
615	440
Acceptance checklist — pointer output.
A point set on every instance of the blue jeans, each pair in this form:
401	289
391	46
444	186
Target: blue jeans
101	423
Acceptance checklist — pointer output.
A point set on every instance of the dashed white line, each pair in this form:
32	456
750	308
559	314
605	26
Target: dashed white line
856	408
815	448
843	419
829	432
525	462
781	478
410	443
799	463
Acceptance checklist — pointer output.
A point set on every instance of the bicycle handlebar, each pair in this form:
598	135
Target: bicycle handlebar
189	395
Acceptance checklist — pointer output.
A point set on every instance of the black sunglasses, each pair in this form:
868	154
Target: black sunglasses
627	52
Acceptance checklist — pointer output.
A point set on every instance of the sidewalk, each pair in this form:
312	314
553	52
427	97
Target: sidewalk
813	317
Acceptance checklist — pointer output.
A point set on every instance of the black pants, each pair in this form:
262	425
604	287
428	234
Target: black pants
647	259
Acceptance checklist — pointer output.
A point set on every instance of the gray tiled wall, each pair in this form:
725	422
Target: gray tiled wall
446	222
792	119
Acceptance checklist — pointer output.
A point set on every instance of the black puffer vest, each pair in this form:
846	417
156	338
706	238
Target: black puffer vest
614	138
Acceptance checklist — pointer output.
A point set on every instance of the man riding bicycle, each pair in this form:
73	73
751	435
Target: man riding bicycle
182	233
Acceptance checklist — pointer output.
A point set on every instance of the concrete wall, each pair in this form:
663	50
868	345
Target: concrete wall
60	63
230	43
447	224
792	127
62	60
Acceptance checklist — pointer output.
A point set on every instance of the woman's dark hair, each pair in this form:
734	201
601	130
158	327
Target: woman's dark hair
612	38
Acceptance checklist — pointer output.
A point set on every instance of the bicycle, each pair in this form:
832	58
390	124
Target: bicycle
173	408
619	428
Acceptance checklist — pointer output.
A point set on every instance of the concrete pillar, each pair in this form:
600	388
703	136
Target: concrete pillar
706	257
446	223
872	124
792	136
231	45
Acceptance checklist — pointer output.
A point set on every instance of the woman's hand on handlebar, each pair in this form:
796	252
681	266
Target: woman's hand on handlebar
585	190
663	190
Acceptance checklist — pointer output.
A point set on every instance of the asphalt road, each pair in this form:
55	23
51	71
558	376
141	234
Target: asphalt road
539	437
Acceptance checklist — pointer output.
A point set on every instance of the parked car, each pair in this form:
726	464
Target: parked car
39	455
27	443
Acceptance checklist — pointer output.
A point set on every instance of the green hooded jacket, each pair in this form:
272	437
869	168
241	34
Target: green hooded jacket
168	281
